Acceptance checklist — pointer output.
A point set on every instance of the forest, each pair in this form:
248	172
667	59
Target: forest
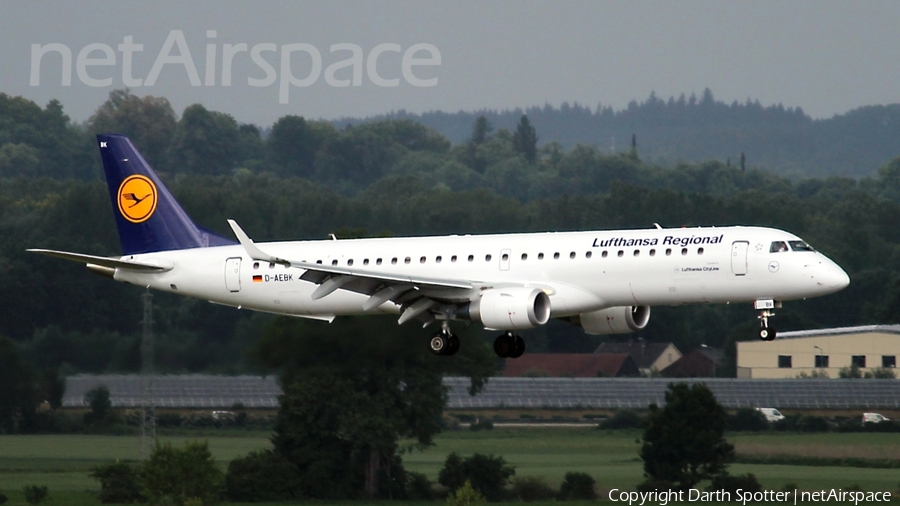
305	179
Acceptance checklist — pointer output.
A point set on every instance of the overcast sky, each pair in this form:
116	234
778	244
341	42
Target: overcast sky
825	56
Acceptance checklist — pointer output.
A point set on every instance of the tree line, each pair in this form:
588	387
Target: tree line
697	129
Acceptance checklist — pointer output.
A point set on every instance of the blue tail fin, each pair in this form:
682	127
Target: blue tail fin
147	216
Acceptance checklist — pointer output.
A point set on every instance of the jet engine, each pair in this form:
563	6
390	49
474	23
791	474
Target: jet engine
614	320
510	308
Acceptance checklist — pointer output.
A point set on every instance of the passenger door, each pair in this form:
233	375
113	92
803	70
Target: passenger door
739	257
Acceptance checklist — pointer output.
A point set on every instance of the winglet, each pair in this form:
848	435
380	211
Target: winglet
252	250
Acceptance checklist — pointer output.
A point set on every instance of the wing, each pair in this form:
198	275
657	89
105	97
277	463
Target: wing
417	295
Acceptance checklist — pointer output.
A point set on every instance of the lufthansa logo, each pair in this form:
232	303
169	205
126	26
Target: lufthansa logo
137	198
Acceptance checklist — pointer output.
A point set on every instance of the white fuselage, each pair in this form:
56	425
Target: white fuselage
581	271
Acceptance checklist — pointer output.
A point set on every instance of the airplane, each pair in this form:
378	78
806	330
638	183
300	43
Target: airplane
603	281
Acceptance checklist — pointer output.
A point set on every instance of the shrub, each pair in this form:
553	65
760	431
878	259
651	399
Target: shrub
578	486
3	498
179	474
532	488
789	422
747	419
486	473
731	484
812	423
482	425
465	496
449	422
418	487
261	476
118	483
168	420
35	494
654	484
623	419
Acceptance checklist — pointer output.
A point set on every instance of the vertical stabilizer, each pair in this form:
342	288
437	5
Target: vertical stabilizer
147	216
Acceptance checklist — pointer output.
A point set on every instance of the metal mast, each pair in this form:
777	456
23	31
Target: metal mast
148	417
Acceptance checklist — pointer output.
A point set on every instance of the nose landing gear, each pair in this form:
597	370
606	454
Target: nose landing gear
766	333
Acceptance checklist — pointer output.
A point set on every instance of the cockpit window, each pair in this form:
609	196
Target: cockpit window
800	246
778	247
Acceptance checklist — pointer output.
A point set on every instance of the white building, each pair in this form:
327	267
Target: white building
824	350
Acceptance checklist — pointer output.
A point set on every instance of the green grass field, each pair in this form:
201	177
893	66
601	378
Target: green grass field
62	462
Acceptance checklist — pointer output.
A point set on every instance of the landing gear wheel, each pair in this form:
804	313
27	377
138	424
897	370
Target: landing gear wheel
438	344
518	348
767	333
505	346
452	345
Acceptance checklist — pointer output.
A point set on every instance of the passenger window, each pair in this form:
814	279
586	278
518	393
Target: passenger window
524	256
272	266
471	258
505	257
378	262
365	261
620	254
588	254
487	258
422	260
699	251
406	260
653	252
572	255
333	262
437	259
255	265
684	251
637	252
540	256
394	261
319	262
668	251
605	254
778	247
556	256
453	258
350	263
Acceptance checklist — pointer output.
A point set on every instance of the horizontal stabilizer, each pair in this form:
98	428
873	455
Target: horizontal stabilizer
114	263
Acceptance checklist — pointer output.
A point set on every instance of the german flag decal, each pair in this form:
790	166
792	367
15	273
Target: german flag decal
257	279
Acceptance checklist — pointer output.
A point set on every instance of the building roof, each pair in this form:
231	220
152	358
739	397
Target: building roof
643	353
862	329
574	365
699	363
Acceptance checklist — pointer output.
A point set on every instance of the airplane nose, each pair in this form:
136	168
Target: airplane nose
839	278
833	277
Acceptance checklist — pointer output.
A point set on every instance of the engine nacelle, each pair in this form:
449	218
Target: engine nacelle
614	320
511	308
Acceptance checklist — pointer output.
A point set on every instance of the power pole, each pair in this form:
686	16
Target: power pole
148	417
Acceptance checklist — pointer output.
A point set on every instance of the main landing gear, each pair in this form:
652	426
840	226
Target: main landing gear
509	345
444	342
766	333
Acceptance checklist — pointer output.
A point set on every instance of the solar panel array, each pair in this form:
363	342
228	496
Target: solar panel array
203	391
640	392
181	391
